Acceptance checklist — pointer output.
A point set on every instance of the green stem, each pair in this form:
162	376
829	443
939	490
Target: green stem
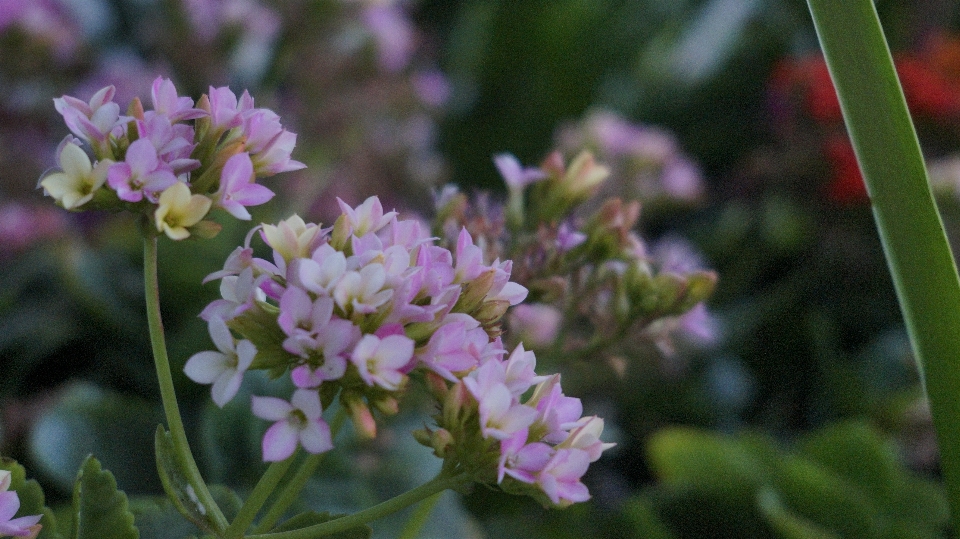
165	378
918	255
435	486
419	517
251	506
294	486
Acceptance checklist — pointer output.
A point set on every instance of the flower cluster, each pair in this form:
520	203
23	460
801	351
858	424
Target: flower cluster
591	277
540	445
172	163
9	505
354	311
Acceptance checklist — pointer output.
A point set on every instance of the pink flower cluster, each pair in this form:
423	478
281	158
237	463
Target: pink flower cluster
204	155
355	310
542	445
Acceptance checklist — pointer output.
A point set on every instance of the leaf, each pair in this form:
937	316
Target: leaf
179	490
312	518
100	511
790	525
32	501
684	457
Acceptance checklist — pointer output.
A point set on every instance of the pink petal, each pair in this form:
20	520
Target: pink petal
280	441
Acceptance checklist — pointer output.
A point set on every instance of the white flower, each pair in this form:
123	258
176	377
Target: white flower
224	369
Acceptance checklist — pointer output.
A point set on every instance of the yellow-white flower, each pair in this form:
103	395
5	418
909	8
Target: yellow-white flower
179	210
79	180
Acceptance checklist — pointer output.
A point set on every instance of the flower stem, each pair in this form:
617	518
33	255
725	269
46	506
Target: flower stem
299	480
251	506
419	517
165	378
435	486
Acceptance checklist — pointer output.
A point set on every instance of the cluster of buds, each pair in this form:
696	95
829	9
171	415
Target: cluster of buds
354	311
581	258
172	164
27	526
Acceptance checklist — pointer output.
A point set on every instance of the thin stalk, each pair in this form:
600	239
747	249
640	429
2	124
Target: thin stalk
435	486
918	255
419	517
251	506
165	378
292	488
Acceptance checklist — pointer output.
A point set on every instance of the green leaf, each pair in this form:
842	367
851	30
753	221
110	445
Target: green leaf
32	501
684	457
157	518
790	525
100	511
311	518
828	499
918	254
173	476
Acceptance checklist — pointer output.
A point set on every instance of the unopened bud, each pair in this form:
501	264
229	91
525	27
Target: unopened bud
441	441
474	291
363	422
205	229
387	405
135	109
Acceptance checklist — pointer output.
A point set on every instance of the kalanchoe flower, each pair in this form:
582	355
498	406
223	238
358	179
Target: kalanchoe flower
299	421
560	478
179	210
79	181
91	121
168	103
381	361
223	369
237	187
141	174
515	175
9	505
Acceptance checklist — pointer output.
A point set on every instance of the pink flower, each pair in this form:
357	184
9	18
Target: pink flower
521	460
501	415
17	527
367	217
299	421
393	33
536	323
225	110
269	143
224	369
469	258
237	187
560	478
515	175
382	361
168	103
91	121
140	174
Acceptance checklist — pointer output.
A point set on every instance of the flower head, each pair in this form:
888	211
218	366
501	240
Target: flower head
79	180
179	210
299	421
223	369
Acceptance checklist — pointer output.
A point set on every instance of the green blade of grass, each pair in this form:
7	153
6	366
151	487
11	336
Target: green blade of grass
918	255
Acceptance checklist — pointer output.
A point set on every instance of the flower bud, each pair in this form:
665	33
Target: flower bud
363	422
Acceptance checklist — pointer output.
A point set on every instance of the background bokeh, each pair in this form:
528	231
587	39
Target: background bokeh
792	410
